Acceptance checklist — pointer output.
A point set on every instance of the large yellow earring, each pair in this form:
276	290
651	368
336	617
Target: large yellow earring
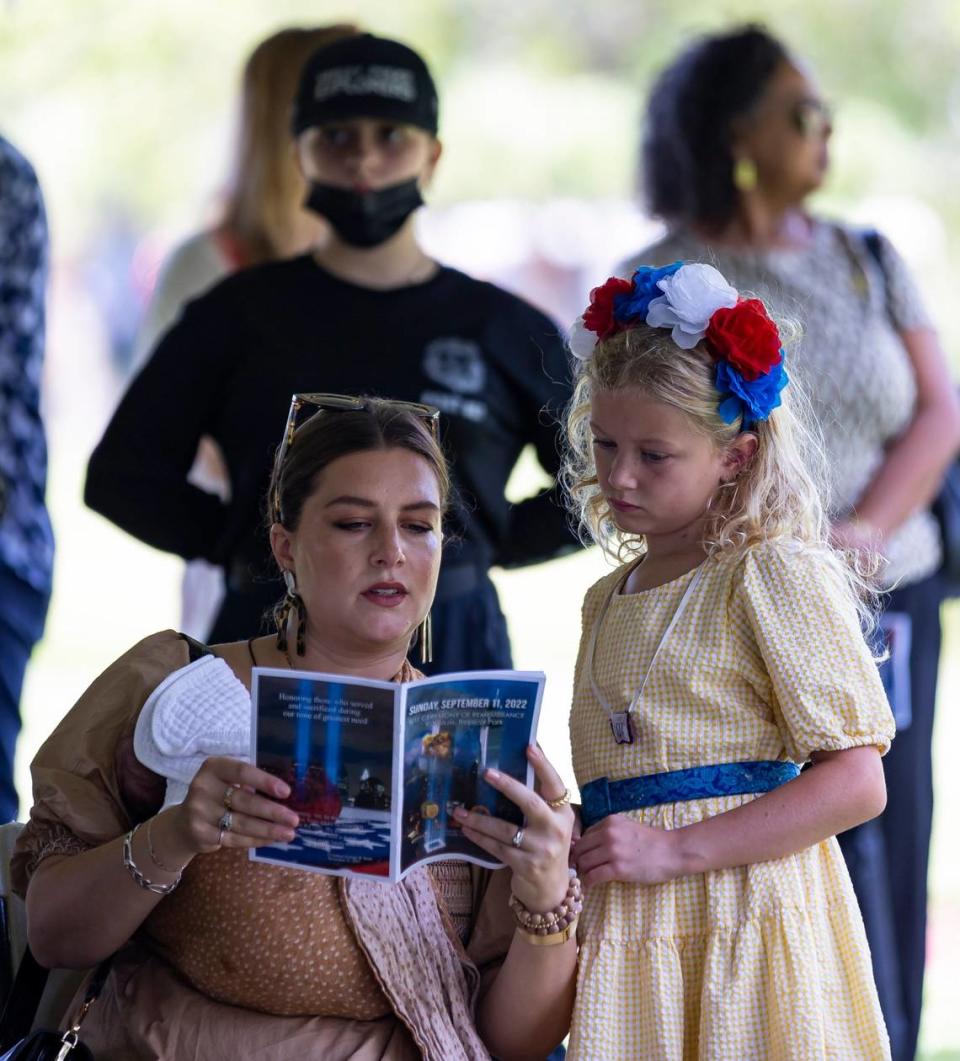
745	174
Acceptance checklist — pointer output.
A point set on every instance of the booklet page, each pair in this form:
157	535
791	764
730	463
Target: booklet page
455	726
331	739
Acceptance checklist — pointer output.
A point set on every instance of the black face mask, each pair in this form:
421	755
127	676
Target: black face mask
365	219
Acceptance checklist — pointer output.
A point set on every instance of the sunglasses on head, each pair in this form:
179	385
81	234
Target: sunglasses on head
315	403
811	117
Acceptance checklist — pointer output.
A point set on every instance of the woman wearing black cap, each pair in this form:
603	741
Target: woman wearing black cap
370	312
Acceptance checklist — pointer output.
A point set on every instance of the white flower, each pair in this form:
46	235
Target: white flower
582	340
690	298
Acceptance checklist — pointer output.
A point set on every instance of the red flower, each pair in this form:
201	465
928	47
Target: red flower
745	337
598	316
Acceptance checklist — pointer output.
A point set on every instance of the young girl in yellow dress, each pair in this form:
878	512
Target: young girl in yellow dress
727	652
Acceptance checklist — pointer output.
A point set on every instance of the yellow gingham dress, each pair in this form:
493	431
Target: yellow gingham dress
761	962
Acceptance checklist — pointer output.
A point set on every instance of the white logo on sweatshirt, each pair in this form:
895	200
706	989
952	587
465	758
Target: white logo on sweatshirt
455	363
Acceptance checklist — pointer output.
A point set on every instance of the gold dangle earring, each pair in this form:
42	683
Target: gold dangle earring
745	174
426	639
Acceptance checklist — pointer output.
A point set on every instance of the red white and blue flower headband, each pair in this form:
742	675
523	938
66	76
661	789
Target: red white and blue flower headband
697	304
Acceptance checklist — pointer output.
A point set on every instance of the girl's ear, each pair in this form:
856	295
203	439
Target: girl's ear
738	454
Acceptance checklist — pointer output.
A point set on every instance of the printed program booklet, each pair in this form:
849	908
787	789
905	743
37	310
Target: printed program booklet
376	769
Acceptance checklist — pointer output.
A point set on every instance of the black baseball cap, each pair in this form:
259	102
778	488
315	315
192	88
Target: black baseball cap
364	76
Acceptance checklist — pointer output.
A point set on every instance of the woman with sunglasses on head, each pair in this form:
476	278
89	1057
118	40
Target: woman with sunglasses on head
220	957
368	311
736	140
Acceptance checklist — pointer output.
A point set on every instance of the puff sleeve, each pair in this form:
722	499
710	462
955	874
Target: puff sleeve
825	688
87	785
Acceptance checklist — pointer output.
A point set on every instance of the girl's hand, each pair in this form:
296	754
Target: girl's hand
193	827
619	848
540	862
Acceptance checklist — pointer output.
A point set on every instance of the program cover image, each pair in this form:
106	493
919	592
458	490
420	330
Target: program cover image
454	728
377	769
331	741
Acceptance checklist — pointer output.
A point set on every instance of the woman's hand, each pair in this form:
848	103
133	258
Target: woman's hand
193	827
857	536
540	862
619	848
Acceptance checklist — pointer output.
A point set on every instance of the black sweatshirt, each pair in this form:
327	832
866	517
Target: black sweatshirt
495	366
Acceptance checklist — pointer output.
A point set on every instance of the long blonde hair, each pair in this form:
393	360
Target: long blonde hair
778	494
265	191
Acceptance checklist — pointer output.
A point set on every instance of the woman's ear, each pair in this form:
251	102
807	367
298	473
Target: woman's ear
281	544
738	454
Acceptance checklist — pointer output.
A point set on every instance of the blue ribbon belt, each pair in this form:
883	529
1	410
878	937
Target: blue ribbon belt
603	797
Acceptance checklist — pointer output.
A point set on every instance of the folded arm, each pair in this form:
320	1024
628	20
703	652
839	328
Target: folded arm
137	475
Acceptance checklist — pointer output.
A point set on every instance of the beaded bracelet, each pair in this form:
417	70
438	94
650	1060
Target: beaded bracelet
134	871
553	922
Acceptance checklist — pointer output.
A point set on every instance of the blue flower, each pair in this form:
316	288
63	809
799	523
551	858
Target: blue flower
627	308
752	399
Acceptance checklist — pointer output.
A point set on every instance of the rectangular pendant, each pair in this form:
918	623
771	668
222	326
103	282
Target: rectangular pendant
620	724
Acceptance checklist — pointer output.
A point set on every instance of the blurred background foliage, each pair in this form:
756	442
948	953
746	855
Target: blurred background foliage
126	106
126	110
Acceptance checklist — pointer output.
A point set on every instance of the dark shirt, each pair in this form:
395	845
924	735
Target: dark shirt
26	540
496	368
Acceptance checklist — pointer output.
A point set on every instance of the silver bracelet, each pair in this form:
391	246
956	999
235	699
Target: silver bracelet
134	871
153	855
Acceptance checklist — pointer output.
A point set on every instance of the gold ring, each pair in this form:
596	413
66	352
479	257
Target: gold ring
560	801
228	796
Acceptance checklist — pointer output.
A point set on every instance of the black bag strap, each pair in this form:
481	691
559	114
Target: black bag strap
196	649
23	1001
874	245
871	240
20	1008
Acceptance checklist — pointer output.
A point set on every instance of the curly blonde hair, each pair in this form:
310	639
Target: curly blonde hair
778	494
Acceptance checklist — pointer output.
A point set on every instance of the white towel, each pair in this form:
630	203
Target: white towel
202	709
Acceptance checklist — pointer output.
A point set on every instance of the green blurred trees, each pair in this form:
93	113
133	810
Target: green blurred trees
131	104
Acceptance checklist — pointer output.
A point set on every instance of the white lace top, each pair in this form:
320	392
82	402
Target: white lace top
850	361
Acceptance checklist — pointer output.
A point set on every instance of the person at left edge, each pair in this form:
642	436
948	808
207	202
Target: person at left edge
26	538
369	312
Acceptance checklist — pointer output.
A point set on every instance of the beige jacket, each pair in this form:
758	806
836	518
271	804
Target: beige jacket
89	789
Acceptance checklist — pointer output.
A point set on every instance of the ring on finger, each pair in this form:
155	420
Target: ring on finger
228	797
560	801
517	837
226	823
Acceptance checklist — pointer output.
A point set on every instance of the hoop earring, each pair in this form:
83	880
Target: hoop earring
745	174
282	615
